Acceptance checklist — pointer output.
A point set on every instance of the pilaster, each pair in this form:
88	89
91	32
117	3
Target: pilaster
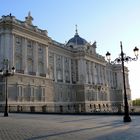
70	70
63	69
11	50
35	57
45	59
55	68
24	55
1	47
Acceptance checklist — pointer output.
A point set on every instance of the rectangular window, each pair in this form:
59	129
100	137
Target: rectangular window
43	92
20	91
18	40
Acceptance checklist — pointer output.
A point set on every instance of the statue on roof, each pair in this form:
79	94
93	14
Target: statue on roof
29	19
94	44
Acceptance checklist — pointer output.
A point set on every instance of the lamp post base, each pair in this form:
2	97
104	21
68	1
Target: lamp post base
127	119
5	114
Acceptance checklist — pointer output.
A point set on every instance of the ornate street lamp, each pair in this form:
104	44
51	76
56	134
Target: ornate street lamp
5	72
121	59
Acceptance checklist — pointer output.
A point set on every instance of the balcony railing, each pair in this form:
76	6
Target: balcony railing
43	74
32	73
20	71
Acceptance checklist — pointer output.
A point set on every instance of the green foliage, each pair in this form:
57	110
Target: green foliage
136	102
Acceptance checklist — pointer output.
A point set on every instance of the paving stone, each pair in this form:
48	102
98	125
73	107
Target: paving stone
67	127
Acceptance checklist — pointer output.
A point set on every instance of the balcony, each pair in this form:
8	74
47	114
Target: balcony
32	73
42	74
20	71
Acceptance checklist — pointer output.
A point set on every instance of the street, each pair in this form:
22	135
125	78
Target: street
67	127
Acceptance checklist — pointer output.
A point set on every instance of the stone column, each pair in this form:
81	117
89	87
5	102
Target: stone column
6	45
47	59
97	92
86	75
24	55
93	73
70	70
18	93
12	51
35	57
101	74
105	76
81	70
63	65
1	48
84	70
90	72
55	78
87	72
22	96
127	81
42	94
98	73
31	94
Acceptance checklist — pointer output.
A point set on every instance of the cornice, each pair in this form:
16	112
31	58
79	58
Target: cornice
24	32
60	50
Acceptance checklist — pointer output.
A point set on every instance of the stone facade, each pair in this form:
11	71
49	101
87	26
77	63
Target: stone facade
55	77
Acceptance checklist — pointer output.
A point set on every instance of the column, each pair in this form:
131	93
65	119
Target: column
55	78
127	81
105	76
80	77
23	93
18	93
1	47
6	45
63	65
87	71
45	59
70	70
84	69
101	73
86	75
98	73
2	51
31	94
35	57
90	72
42	94
81	70
24	55
97	92
12	51
93	73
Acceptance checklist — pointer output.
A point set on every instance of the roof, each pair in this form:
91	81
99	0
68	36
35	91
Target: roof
77	40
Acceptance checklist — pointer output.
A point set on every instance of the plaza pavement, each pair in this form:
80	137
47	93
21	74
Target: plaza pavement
68	127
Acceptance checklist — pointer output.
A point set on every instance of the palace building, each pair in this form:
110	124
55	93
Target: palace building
56	77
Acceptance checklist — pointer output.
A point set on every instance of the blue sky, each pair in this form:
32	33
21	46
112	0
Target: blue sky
106	21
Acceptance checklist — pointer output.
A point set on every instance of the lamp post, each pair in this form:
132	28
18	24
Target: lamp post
5	72
121	59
